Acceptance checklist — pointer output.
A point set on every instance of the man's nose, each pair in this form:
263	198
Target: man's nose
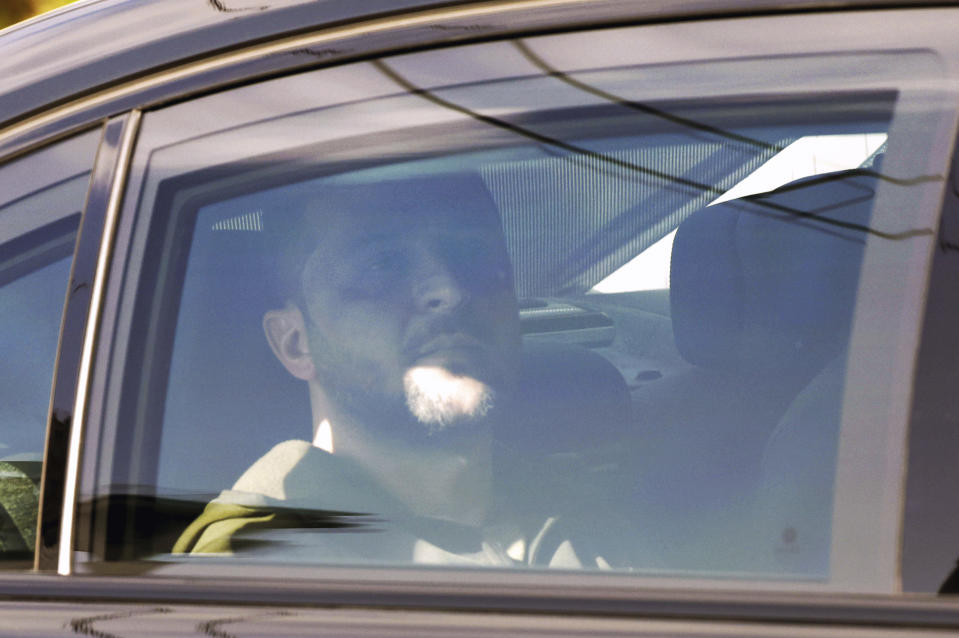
437	289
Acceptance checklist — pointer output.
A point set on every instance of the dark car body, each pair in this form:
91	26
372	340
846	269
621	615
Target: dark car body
99	73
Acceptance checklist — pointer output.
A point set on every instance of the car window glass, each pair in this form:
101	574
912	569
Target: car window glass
41	196
806	157
372	330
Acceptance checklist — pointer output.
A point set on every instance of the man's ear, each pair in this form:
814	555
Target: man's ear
286	333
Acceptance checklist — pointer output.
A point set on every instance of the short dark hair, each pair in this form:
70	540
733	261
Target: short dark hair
291	238
294	232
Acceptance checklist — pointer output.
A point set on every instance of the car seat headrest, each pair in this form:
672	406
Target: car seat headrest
570	399
768	282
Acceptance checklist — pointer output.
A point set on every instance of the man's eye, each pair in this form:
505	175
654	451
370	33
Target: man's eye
379	271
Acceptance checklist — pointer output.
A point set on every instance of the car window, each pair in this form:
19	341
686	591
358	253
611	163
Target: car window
367	322
41	197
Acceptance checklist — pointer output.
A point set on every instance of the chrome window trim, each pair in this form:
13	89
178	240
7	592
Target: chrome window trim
118	181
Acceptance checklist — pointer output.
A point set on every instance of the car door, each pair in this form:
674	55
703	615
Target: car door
719	257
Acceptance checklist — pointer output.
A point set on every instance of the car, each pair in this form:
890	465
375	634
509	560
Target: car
420	317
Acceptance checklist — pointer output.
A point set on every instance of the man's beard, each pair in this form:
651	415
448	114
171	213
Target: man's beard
439	399
433	400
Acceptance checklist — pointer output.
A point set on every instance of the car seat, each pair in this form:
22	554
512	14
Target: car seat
762	292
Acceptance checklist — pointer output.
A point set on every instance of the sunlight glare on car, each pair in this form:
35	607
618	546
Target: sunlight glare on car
807	156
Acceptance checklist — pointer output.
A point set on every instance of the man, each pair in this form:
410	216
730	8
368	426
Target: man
401	317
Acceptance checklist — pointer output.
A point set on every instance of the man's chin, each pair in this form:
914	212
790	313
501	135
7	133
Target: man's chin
440	399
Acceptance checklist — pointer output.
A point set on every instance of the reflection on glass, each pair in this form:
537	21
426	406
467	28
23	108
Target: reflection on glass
807	156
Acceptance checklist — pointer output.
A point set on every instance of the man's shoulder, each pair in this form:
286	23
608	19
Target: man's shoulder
294	485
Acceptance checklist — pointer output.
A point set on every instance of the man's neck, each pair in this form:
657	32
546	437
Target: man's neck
450	480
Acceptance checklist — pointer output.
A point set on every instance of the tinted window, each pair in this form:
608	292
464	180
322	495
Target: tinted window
41	197
579	311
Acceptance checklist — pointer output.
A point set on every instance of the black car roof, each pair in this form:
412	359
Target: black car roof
92	44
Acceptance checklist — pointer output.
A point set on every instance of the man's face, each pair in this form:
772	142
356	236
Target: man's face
410	307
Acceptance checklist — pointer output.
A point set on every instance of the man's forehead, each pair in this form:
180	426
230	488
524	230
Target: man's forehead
455	204
387	223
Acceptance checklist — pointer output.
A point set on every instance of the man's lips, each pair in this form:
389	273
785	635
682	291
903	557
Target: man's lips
450	345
